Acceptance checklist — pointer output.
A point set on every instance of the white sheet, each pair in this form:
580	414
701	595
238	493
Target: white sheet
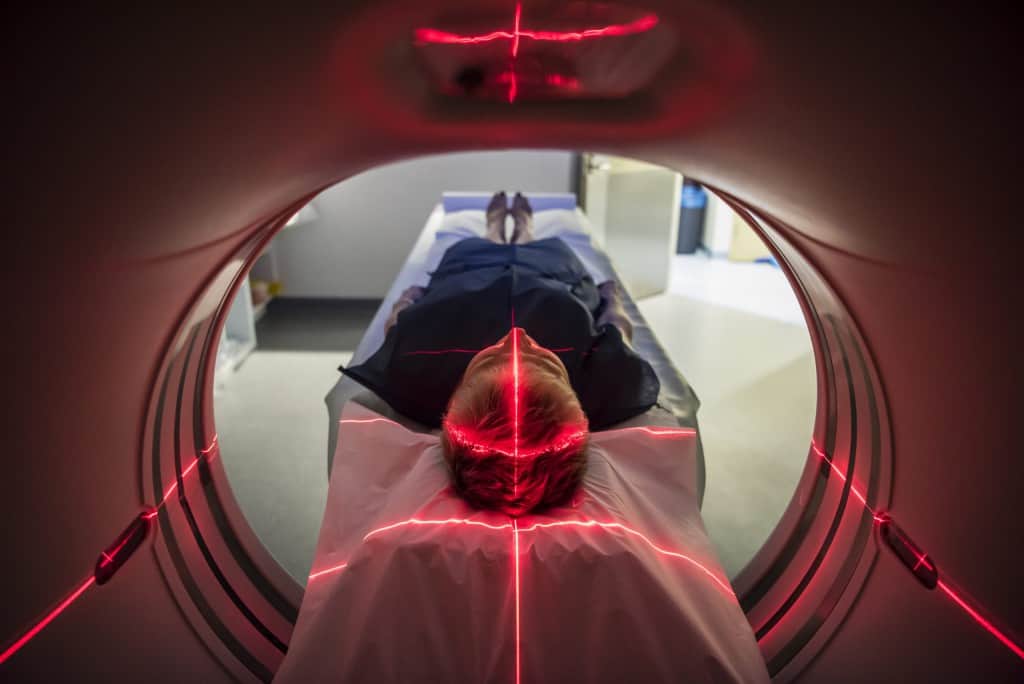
410	584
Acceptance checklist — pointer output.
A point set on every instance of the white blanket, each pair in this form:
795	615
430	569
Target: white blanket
410	584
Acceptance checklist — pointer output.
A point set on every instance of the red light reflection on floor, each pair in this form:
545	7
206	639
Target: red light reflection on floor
47	619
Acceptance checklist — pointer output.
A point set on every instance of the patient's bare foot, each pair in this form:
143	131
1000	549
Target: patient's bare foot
496	211
522	214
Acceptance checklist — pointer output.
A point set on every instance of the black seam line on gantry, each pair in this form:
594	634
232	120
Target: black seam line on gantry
186	508
852	560
191	586
267	590
833	528
810	512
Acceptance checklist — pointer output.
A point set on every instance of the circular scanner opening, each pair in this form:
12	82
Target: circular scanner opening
726	321
794	468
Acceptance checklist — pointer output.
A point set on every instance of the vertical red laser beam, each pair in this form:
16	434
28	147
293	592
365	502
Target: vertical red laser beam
515	31
515	542
515	408
976	616
39	626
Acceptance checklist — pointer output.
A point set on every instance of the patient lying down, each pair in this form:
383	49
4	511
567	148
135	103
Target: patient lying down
473	555
514	352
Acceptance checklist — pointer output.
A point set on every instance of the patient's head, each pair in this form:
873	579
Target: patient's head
515	432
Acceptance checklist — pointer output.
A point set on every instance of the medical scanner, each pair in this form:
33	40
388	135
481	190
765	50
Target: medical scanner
153	154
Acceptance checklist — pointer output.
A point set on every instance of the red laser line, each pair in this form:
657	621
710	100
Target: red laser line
39	626
629	530
663	432
992	629
641	25
921	558
515	539
515	408
842	476
328	571
447	521
107	560
174	485
515	39
465	437
367	420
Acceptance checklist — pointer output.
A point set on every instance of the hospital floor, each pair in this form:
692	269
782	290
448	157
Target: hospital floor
734	330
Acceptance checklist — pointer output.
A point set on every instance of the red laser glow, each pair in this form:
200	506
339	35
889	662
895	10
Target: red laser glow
108	559
174	485
367	420
723	584
47	619
976	616
430	35
664	432
641	25
515	541
842	476
515	407
516	34
446	521
328	571
477	443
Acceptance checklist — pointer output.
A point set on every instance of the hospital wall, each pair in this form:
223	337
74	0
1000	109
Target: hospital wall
367	224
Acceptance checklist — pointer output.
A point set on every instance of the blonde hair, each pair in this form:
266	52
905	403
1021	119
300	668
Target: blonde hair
515	466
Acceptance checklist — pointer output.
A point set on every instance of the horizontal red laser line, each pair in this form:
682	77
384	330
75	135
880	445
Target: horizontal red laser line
367	420
430	35
39	626
446	521
328	571
663	432
992	629
640	535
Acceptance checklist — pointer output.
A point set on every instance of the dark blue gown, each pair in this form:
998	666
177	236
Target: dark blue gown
477	291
